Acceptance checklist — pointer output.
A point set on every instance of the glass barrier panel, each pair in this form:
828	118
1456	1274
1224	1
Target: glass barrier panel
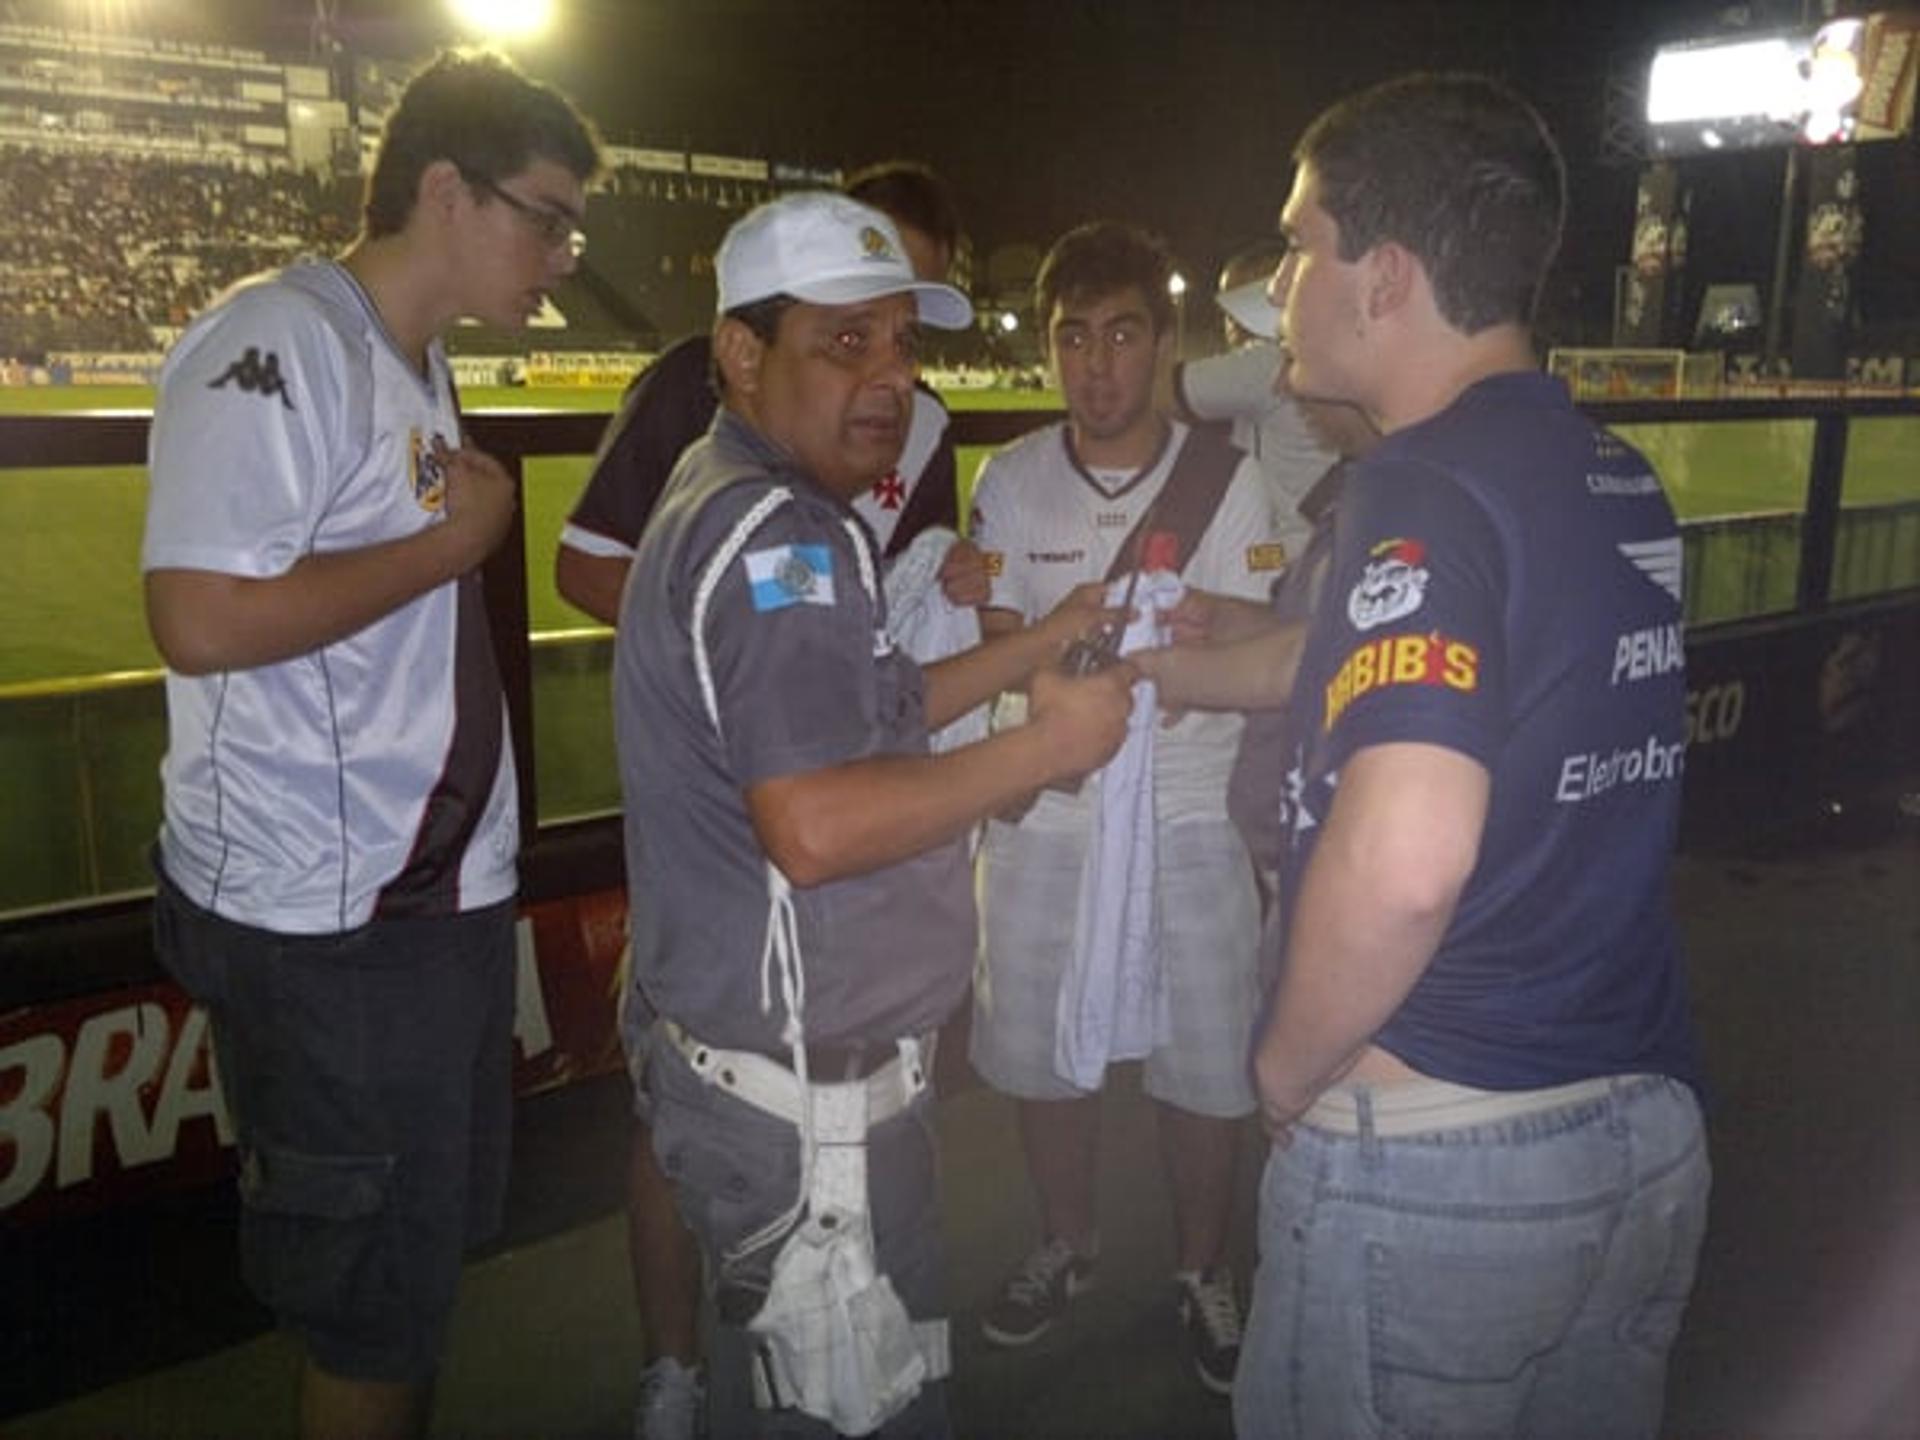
70	594
1739	488
1878	545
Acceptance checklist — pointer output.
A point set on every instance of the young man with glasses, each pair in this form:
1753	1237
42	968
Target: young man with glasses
337	857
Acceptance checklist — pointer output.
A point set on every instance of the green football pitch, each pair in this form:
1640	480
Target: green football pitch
82	718
70	537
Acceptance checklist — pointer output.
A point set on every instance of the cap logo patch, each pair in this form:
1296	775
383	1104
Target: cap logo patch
874	244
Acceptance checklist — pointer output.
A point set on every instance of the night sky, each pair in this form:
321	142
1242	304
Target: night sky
1179	114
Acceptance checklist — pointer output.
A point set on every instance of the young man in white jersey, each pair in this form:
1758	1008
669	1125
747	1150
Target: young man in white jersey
1066	505
337	858
1238	386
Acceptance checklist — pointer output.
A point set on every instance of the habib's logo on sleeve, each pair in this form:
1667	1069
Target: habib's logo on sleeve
426	476
1430	659
1391	587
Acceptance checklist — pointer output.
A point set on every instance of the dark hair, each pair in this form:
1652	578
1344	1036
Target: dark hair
762	317
908	193
1101	258
1262	256
476	109
1458	169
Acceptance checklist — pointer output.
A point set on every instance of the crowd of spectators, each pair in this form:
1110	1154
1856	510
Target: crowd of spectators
113	251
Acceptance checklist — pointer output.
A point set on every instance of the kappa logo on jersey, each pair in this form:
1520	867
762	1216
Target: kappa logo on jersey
426	476
1391	587
1659	560
790	575
1430	659
255	376
1270	556
996	563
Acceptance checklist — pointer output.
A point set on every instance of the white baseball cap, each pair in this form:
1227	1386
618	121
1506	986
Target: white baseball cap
1250	309
826	249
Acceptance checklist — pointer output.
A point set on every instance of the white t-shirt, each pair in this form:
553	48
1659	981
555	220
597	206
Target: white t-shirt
1238	386
1047	525
373	775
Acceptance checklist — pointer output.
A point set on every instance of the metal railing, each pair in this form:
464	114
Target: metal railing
79	754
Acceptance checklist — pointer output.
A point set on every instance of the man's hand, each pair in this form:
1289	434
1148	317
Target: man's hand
963	575
1281	1103
480	497
1084	717
1080	611
1191	622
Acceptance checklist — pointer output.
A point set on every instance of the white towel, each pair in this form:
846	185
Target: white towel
930	627
1113	997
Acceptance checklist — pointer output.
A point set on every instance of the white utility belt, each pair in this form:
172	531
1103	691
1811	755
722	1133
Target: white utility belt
773	1088
1422	1107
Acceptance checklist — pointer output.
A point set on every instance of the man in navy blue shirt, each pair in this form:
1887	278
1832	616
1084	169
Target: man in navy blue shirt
1489	1180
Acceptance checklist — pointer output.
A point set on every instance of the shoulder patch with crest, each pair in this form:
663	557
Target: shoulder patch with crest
785	575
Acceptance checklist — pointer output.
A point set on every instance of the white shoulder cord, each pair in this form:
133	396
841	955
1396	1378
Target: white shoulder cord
782	948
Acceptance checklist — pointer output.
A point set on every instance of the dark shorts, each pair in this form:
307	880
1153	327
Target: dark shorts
369	1078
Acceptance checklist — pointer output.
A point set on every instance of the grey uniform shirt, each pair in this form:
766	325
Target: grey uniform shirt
803	679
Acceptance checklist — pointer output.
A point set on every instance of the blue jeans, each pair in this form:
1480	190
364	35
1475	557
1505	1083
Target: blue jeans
1524	1278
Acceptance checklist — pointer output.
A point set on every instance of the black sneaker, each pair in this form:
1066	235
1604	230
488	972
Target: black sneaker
1036	1294
1212	1319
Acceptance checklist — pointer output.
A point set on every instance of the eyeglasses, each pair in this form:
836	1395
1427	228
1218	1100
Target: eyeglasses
556	228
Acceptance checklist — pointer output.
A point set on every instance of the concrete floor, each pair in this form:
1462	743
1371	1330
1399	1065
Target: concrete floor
1805	1323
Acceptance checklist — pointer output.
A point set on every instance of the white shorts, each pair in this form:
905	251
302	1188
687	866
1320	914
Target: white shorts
1210	928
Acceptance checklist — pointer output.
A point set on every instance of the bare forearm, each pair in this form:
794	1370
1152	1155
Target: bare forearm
1234	618
205	621
828	825
1350	964
591	583
1254	673
1001	661
1378	895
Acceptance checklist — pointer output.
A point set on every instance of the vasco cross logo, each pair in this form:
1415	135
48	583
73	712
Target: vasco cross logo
255	376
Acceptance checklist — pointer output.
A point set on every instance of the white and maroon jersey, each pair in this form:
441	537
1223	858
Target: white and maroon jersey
1047	523
671	404
882	505
372	777
1238	386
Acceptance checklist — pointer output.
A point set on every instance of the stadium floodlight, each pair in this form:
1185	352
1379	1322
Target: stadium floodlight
1850	79
1749	80
503	19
